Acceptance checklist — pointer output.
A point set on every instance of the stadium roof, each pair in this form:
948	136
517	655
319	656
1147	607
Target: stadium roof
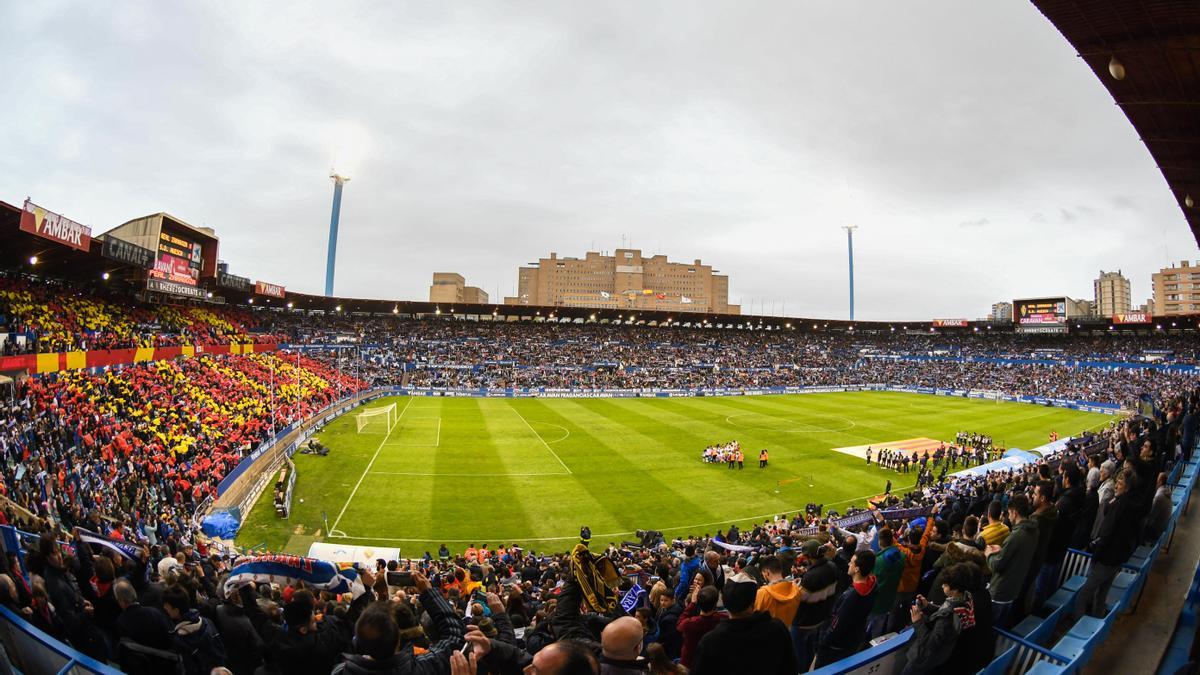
1147	54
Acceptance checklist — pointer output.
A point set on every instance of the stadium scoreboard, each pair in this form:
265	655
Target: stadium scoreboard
178	259
1040	312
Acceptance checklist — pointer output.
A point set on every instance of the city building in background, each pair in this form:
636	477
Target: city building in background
1001	311
624	280
1112	294
450	287
1177	289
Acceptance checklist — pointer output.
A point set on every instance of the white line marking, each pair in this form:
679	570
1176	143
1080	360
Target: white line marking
366	470
618	534
539	437
471	475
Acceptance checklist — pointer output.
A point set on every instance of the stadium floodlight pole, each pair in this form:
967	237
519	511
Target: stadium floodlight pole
338	181
850	247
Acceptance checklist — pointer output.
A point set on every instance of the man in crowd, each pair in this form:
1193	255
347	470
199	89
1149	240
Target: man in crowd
748	641
1010	563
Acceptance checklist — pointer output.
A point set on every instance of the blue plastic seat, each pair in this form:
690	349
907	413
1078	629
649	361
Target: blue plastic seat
1072	648
1087	628
1028	625
1074	583
1063	597
1046	668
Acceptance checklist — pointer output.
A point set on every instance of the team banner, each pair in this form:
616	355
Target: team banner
1133	317
118	546
272	290
50	225
319	574
736	548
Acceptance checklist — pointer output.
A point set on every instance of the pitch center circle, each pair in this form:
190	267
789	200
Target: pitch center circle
803	423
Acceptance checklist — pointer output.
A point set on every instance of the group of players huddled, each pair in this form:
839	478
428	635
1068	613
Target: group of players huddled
731	455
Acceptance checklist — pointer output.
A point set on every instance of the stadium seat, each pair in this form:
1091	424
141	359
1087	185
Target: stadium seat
1047	668
1063	597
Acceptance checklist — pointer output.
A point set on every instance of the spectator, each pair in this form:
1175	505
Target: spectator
818	593
1117	540
194	637
748	641
698	619
848	624
936	628
1010	562
889	566
778	597
144	625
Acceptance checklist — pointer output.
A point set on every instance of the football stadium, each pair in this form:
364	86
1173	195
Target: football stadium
623	466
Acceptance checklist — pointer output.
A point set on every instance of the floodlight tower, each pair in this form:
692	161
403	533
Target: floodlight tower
339	180
850	247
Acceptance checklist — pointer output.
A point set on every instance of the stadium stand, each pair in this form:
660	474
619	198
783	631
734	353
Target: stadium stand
105	469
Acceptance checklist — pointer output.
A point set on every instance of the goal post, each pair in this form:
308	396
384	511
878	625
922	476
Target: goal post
377	420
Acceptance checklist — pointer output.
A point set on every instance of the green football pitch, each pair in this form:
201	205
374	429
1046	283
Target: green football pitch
530	471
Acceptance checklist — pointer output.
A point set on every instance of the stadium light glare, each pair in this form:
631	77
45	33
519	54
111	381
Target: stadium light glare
338	308
1116	68
1188	202
395	310
33	259
437	310
1110	327
208	295
289	305
250	301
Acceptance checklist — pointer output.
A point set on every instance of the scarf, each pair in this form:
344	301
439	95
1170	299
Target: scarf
597	577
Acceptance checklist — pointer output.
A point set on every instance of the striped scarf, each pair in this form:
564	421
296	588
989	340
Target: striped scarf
597	577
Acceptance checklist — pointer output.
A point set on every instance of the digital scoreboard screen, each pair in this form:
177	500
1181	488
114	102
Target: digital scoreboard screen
1047	312
177	259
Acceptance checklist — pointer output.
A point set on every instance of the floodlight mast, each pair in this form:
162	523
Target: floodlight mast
338	180
850	248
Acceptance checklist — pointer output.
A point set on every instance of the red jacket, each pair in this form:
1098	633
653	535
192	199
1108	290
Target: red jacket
693	626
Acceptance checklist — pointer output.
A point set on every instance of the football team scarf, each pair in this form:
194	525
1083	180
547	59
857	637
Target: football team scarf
597	577
119	546
318	574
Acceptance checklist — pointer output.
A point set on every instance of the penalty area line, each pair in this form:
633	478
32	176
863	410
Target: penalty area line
368	469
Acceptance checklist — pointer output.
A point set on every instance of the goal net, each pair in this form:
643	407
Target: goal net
376	420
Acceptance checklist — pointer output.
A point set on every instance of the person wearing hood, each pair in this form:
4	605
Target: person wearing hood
377	637
848	624
194	638
936	628
779	597
747	642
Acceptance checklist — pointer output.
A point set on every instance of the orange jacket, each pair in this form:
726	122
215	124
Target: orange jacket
913	556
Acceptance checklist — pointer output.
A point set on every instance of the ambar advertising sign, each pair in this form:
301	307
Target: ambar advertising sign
272	290
50	225
950	323
1133	317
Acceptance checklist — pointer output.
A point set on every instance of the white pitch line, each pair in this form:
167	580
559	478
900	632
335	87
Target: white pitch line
489	475
539	437
369	464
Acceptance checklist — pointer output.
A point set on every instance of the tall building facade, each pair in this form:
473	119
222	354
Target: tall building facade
1177	289
624	280
451	287
1112	294
1001	311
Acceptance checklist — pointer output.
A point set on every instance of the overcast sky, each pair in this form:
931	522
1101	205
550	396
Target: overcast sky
979	156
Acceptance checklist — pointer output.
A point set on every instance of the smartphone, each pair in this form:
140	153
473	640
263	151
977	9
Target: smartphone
400	579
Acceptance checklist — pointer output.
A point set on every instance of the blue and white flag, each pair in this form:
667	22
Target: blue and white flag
318	574
630	600
118	546
736	548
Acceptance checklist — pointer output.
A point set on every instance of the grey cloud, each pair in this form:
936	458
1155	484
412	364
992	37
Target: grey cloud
493	133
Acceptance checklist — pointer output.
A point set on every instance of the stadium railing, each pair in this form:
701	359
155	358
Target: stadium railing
33	652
